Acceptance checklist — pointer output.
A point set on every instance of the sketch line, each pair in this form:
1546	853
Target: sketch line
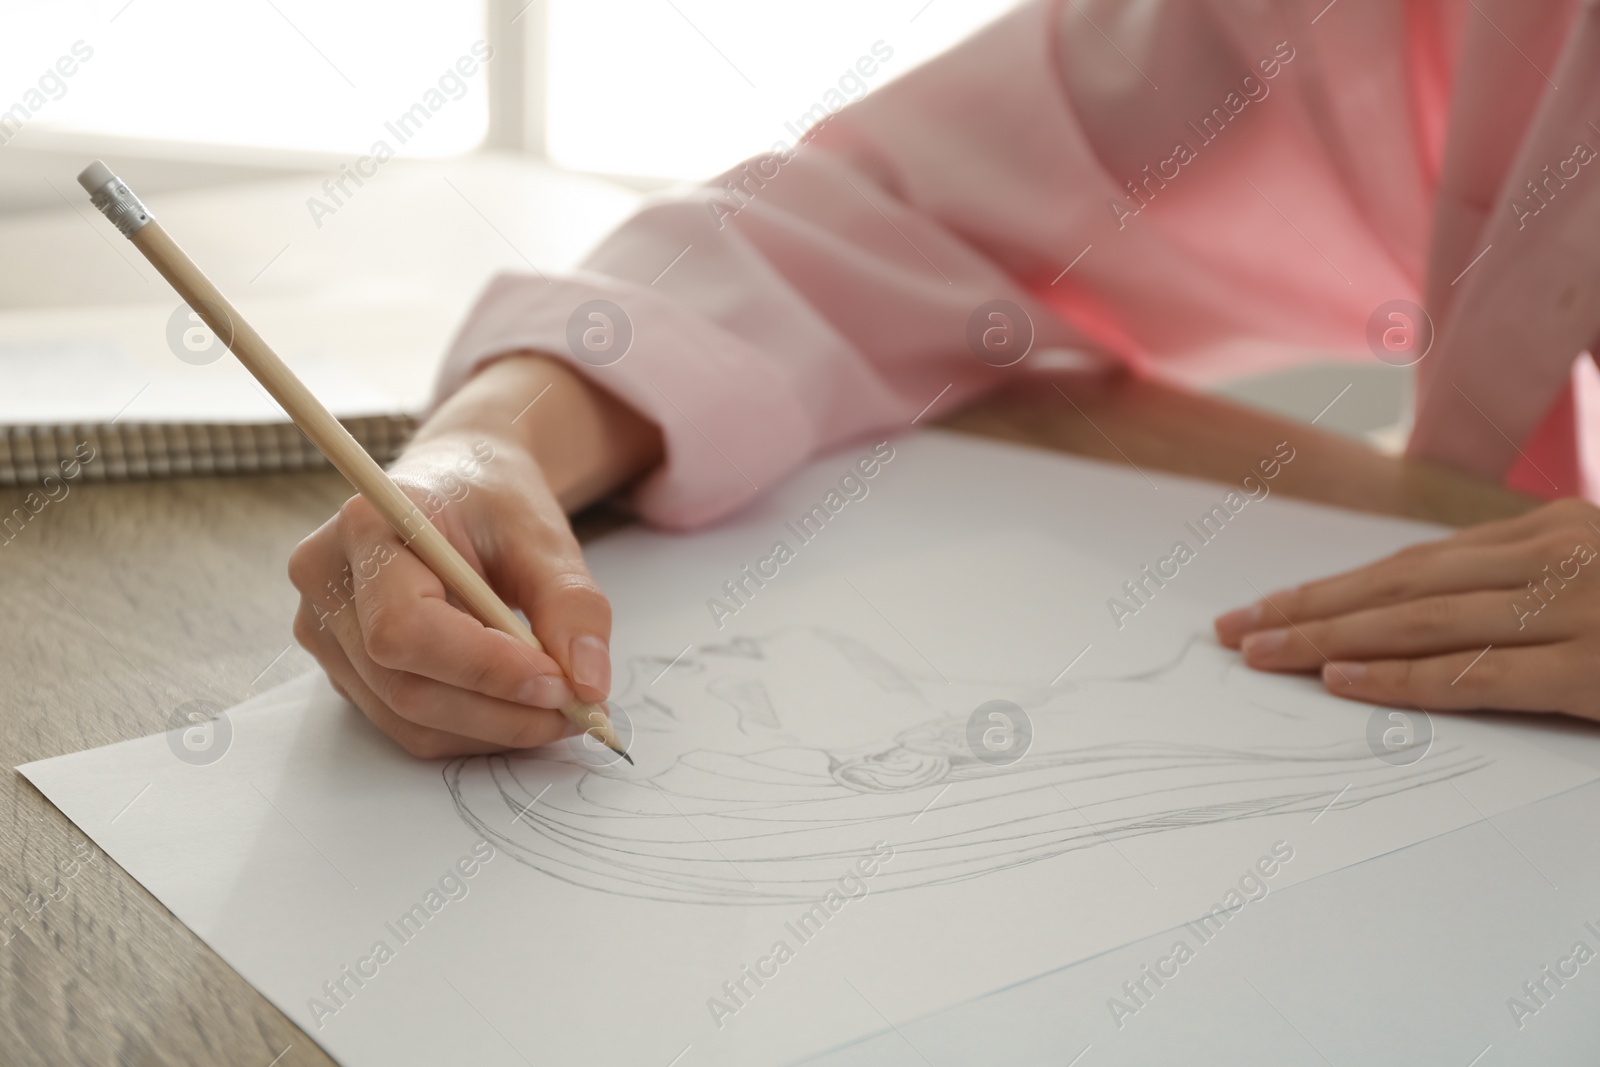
932	802
778	805
689	1046
1103	837
285	1052
1079	1056
1332	802
702	834
1480	1055
1324	11
518	816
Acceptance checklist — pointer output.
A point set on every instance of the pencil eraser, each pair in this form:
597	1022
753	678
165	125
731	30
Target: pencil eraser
95	176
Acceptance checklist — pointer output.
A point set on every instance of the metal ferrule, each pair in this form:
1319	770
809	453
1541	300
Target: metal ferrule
117	203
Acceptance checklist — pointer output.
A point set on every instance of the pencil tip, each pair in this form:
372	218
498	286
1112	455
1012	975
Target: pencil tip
628	758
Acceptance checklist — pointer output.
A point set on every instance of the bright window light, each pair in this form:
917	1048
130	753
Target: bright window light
688	88
315	75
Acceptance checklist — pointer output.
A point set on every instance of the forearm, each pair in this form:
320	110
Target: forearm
586	442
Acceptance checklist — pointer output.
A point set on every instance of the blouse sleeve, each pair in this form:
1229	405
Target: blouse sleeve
908	249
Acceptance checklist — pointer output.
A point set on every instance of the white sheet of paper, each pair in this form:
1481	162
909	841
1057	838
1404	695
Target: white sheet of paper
819	742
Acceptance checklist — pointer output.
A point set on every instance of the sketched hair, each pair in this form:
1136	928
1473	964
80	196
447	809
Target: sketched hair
776	817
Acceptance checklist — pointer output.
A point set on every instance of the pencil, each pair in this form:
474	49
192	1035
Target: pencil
118	203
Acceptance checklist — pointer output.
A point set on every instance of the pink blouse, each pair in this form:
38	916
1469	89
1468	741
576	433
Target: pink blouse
1191	188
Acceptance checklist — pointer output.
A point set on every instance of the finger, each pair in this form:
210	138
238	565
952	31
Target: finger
408	624
447	709
1537	678
434	705
1505	554
539	560
1500	531
417	740
1573	513
1439	568
1424	627
317	570
317	639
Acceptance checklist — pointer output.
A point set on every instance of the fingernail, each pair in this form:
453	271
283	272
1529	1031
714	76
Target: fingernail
545	691
1340	673
1240	618
591	663
1264	643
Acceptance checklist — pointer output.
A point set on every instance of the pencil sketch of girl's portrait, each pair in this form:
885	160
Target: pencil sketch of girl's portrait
768	764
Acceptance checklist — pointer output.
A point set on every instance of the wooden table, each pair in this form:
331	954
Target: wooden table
124	602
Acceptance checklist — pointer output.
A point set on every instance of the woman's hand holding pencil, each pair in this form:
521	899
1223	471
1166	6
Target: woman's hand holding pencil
407	652
495	476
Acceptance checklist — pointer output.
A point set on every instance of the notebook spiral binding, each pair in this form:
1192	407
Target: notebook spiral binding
132	451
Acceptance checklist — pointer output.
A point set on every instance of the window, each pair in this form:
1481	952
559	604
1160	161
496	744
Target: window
688	88
646	88
309	75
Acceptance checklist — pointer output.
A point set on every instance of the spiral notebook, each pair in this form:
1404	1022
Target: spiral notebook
115	451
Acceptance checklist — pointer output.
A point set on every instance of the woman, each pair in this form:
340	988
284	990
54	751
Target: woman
1173	187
